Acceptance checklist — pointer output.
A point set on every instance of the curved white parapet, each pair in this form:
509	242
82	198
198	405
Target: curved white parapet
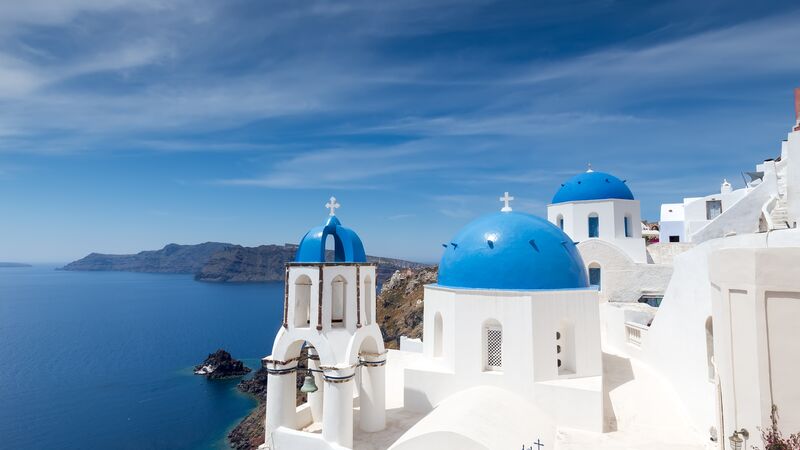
480	418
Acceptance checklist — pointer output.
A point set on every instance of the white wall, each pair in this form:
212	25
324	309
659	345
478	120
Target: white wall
622	279
529	320
675	343
741	217
791	154
611	214
756	303
671	222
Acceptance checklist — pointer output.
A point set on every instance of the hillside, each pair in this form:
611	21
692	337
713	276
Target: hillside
217	262
266	263
173	258
400	304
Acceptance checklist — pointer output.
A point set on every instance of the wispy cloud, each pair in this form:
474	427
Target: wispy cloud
343	168
764	47
520	123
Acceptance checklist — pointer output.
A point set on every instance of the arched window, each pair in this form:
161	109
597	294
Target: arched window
438	344
492	346
627	224
560	222
369	306
330	248
302	301
595	275
565	348
338	301
710	348
594	225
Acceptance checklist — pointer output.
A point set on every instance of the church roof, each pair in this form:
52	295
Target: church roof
511	250
347	244
592	185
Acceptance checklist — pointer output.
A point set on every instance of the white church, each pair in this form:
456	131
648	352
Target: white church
560	333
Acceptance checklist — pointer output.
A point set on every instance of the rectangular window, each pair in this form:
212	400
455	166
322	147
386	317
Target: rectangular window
713	209
594	227
494	348
627	227
674	238
561	223
594	276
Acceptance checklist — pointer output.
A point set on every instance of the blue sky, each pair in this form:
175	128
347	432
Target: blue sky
129	124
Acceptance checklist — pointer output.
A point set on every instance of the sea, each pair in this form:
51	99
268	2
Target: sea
103	360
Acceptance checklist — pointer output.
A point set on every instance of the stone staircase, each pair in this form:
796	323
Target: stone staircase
779	213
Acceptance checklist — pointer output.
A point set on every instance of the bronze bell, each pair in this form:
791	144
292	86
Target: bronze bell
309	385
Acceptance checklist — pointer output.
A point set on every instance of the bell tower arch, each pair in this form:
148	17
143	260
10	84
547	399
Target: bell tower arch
329	308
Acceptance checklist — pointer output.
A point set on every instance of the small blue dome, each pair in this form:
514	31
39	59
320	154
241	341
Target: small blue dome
348	246
592	186
511	250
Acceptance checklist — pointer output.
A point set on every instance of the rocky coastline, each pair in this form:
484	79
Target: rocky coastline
217	262
400	309
249	433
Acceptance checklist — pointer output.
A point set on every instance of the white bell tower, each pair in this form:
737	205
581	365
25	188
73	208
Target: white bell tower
329	308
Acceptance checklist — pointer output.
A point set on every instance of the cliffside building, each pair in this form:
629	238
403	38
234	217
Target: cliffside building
526	346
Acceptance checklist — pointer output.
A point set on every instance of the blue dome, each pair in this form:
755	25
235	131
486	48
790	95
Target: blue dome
348	246
511	250
592	186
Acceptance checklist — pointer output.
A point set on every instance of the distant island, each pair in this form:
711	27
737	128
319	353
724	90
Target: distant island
13	264
217	262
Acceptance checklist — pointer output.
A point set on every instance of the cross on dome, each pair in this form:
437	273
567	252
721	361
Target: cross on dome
332	205
589	170
506	199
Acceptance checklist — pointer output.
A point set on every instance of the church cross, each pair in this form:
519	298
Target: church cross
538	444
506	199
332	205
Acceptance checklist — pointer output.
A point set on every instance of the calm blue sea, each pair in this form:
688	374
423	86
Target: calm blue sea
102	360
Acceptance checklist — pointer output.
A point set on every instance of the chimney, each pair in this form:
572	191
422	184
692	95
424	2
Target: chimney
797	109
726	187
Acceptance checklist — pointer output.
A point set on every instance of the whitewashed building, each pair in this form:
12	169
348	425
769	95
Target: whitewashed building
513	309
598	205
599	212
725	334
520	350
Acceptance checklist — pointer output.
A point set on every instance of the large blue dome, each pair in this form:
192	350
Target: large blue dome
347	244
592	186
511	250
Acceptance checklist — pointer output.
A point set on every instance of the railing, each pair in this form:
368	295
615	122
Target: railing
634	332
766	212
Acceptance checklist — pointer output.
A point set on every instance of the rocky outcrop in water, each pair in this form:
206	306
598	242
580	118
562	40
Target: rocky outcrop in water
221	364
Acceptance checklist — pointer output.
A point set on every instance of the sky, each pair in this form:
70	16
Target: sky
129	124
